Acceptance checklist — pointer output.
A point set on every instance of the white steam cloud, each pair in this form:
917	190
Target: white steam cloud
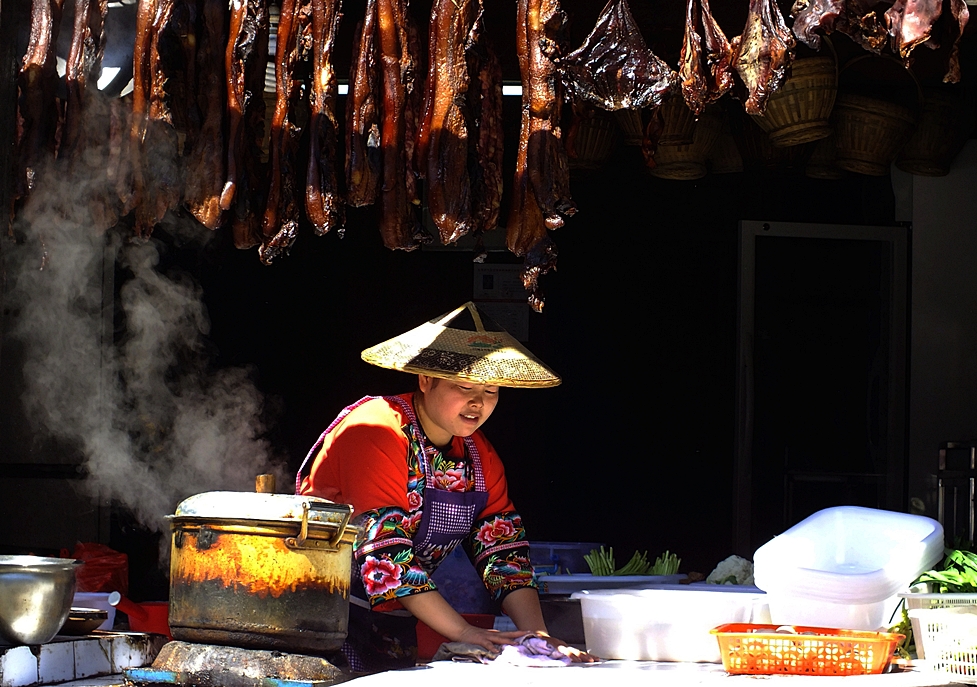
154	419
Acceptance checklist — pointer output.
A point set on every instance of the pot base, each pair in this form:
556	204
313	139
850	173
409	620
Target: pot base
313	643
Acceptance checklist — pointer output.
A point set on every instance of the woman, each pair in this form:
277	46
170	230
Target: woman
422	478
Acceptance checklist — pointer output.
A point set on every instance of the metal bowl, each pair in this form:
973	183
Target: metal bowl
35	597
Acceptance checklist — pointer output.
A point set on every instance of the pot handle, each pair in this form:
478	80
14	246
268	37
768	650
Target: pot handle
303	542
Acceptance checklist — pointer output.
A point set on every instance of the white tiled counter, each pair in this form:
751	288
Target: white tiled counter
71	658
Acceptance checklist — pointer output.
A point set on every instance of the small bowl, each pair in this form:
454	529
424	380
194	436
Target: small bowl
83	621
35	597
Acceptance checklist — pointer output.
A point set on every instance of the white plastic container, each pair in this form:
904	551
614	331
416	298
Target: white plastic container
667	622
924	600
98	600
844	566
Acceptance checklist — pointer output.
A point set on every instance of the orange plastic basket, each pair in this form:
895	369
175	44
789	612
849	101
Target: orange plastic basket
751	649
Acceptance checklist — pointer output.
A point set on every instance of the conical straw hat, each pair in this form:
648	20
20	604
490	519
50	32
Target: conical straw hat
465	344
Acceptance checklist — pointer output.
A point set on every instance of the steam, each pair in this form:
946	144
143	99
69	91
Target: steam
152	416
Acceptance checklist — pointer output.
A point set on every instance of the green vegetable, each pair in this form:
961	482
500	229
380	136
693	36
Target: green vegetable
959	573
602	563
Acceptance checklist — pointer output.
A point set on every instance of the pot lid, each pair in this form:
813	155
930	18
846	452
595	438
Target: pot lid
243	505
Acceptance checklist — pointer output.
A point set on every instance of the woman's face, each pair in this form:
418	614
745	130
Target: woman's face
453	409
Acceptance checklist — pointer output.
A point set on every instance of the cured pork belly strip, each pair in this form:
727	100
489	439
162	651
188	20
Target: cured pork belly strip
705	68
442	149
398	223
485	105
323	203
540	197
363	114
38	112
762	54
961	15
205	172
84	63
281	218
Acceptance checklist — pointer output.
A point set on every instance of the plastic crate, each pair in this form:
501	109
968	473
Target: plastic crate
949	638
916	600
750	649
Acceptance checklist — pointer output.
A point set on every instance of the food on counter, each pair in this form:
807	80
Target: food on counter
602	563
363	114
614	68
762	54
705	62
732	570
323	203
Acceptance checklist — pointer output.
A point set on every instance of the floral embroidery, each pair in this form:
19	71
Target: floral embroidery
451	480
379	575
414	501
497	531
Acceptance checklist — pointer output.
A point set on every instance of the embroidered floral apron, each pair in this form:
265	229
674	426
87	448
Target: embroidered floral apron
447	518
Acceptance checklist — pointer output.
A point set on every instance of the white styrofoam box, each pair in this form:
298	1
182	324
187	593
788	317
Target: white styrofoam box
849	554
55	663
18	667
665	623
99	600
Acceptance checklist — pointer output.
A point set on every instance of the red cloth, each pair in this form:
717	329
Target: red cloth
363	461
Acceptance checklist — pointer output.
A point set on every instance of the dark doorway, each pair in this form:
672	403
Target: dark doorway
822	373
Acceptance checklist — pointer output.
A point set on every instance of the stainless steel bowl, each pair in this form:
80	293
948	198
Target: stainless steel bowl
35	597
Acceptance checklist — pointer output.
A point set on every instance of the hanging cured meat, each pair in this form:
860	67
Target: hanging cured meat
854	18
82	65
705	68
541	190
485	105
762	54
244	62
614	69
363	114
910	23
36	84
323	203
398	211
955	24
442	137
154	144
280	222
205	154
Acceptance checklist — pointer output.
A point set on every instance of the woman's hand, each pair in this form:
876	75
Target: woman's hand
493	640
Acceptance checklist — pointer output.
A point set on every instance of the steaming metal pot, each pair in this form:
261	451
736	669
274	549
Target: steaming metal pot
261	571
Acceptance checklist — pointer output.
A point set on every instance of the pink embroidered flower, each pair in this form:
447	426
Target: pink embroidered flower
413	501
451	480
413	522
379	575
492	532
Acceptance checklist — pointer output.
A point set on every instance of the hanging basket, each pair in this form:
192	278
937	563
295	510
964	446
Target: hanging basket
758	151
631	126
823	163
590	140
869	132
687	162
944	126
799	111
725	158
678	122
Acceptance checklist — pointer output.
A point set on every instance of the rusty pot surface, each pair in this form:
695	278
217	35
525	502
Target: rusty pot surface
261	571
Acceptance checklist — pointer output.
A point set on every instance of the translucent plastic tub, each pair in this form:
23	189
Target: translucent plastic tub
844	566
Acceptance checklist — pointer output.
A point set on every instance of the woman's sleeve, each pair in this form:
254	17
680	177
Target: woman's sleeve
385	556
497	544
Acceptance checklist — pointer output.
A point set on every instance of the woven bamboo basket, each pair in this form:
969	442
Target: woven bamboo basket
591	140
725	158
678	122
944	126
799	111
757	150
869	132
687	162
823	163
631	126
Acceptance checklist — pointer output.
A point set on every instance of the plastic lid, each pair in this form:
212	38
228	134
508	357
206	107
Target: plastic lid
849	554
